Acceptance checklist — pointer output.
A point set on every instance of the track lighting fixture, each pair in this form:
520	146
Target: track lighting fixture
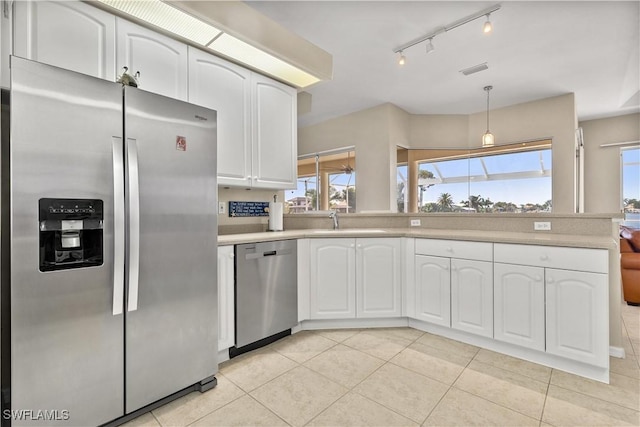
487	28
487	138
430	47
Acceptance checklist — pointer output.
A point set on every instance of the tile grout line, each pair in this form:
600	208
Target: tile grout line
597	398
546	395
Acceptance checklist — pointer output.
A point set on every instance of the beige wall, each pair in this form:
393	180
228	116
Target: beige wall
551	117
602	186
377	131
369	132
439	131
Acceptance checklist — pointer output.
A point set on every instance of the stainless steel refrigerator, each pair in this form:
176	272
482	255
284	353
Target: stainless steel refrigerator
111	201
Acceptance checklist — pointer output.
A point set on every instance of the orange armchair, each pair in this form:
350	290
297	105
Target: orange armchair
630	264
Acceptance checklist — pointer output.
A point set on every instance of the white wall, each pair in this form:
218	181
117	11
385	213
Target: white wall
602	186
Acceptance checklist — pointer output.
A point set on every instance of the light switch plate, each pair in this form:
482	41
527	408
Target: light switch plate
415	222
222	208
542	226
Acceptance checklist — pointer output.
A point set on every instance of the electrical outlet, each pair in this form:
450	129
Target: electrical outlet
415	222
539	226
222	208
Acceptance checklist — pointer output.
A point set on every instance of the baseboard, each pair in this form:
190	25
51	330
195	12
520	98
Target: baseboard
617	352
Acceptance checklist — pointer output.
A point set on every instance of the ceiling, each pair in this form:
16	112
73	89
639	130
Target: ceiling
537	50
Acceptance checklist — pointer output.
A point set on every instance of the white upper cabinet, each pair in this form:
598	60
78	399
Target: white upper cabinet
222	86
67	34
161	61
275	144
378	278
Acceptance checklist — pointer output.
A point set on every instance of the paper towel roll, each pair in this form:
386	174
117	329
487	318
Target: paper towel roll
275	216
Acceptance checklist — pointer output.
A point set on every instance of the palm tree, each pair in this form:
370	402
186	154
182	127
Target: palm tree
445	201
424	174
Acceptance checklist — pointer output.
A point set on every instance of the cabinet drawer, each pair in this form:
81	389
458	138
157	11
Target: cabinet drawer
480	251
593	260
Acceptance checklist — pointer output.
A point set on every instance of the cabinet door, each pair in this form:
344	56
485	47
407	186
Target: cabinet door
518	296
333	279
162	61
472	296
378	278
67	34
275	144
222	86
226	321
577	315
433	289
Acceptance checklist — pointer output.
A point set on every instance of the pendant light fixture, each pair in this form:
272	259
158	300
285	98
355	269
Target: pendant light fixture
487	138
401	60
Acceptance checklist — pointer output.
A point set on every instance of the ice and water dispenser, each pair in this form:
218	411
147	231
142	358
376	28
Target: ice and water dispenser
70	233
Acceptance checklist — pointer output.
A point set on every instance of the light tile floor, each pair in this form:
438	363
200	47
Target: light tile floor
404	377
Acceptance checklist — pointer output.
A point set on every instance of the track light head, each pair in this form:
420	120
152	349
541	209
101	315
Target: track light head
402	60
430	47
487	27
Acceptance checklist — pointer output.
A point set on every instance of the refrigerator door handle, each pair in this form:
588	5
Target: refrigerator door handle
118	225
134	223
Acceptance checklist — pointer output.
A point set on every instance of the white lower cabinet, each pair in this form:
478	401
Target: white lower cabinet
575	305
226	303
378	277
332	282
352	278
472	296
454	284
518	305
578	315
433	289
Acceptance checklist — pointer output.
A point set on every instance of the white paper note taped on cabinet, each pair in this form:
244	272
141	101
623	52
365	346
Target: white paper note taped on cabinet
275	216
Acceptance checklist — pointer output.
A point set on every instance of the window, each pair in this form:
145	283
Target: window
631	186
326	181
504	179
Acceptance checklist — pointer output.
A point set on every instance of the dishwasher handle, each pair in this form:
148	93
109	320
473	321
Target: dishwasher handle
256	255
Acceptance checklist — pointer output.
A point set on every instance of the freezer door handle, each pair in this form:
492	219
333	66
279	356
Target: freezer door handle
118	225
134	223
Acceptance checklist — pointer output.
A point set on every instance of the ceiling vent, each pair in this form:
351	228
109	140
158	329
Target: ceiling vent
475	69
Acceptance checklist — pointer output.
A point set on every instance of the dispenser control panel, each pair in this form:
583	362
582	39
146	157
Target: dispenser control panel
70	233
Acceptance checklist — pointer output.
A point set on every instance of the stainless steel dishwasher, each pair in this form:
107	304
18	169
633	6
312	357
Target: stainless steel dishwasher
266	293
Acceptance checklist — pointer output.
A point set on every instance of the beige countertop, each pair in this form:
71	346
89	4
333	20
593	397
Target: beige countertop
549	239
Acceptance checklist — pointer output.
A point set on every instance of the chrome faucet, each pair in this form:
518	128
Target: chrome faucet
334	216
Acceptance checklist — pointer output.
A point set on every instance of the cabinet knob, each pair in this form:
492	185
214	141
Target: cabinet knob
359	245
544	257
449	249
446	267
454	268
549	279
232	255
352	245
537	278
